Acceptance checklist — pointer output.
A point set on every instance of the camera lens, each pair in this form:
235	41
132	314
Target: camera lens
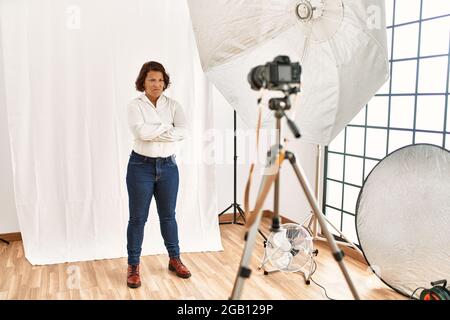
257	77
277	75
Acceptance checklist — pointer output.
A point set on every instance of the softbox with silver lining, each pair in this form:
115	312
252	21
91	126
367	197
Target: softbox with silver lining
341	45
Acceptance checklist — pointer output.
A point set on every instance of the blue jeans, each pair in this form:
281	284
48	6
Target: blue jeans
147	177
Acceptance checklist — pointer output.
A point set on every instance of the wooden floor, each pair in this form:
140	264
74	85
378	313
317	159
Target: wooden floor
213	277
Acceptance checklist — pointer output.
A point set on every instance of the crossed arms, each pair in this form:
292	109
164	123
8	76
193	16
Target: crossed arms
155	130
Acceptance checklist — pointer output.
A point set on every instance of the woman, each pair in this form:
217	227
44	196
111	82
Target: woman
157	123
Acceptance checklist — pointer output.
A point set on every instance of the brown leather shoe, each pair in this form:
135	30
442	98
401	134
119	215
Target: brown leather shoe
177	266
133	278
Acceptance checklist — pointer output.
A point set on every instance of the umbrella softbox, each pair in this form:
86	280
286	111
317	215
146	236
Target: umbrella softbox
341	45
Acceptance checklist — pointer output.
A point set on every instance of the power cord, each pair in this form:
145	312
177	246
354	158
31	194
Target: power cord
323	288
412	294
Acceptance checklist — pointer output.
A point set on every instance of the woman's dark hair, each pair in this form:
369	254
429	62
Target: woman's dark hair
146	68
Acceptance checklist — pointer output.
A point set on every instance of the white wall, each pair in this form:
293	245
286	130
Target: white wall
293	203
8	213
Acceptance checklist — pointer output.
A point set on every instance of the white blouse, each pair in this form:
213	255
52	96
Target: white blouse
157	130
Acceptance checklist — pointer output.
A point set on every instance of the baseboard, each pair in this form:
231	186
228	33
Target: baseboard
286	220
356	255
229	217
16	236
348	251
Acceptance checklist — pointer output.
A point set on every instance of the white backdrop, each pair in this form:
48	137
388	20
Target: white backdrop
69	71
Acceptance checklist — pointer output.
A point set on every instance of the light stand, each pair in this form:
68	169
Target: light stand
276	156
236	207
312	225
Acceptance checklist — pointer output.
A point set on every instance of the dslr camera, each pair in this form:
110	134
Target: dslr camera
275	75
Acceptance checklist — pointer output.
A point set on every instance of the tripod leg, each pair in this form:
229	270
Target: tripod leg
338	254
254	221
241	212
244	270
242	215
224	211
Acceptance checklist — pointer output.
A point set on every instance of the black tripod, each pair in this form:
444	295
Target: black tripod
237	210
2	240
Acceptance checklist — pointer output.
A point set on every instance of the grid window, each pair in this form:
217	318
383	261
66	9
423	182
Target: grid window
348	228
334	194
404	76
350	197
434	39
377	112
412	107
337	145
376	143
431	138
385	88
389	8
406	41
354	170
433	75
334	216
355	141
389	46
399	139
407	11
448	117
336	166
368	167
435	8
360	118
402	112
430	113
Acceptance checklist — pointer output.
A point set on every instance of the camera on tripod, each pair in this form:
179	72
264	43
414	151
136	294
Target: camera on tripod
282	75
275	75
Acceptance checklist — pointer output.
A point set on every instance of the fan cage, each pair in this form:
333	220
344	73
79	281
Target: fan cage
290	249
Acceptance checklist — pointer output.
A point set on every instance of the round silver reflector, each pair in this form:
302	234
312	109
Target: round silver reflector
403	218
